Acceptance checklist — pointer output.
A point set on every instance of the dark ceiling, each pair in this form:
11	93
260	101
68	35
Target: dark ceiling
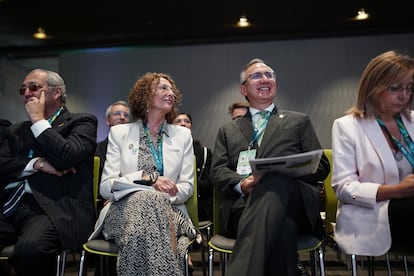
83	24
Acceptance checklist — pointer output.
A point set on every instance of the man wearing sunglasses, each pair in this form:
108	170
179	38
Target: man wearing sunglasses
46	177
265	214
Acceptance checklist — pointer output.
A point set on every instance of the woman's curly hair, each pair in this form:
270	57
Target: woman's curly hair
140	96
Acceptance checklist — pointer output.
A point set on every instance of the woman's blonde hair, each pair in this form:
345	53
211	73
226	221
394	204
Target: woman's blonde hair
380	73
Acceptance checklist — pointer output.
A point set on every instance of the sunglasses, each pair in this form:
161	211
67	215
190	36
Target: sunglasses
33	86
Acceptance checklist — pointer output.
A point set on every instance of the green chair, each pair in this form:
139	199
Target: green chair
224	245
104	248
331	202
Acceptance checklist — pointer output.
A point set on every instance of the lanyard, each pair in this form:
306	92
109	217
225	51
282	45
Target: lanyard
259	131
156	152
408	153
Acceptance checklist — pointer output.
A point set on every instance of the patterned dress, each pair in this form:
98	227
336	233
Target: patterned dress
146	228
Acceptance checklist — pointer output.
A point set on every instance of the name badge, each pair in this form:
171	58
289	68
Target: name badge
243	165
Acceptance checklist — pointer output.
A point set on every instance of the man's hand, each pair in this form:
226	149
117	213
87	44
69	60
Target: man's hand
35	108
248	184
44	166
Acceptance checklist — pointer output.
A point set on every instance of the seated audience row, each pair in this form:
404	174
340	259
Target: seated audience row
46	177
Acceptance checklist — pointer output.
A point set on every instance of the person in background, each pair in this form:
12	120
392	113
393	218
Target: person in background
238	109
151	227
203	163
3	125
373	160
46	164
117	113
265	214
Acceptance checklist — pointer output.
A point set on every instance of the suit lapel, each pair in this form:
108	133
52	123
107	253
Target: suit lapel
246	126
380	145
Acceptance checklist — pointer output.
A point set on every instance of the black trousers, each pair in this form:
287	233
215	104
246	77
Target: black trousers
401	214
273	218
35	238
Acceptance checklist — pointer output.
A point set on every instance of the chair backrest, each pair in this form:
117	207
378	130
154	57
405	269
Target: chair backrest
192	203
96	163
331	202
218	227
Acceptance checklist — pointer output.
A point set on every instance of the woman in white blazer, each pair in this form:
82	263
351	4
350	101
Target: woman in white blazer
150	226
373	160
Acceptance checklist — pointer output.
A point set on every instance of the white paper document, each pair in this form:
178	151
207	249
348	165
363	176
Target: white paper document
122	188
294	165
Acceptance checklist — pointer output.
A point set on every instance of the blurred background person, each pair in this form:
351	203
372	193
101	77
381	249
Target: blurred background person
238	109
3	125
117	113
203	164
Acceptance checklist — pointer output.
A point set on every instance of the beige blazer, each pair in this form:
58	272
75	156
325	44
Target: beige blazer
362	160
122	162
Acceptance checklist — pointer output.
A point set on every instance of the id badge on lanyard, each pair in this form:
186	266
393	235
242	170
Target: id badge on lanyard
243	164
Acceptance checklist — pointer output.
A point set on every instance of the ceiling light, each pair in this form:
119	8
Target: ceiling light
361	15
40	34
243	22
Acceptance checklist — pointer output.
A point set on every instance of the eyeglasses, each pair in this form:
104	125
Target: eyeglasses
397	88
259	75
165	88
119	113
33	86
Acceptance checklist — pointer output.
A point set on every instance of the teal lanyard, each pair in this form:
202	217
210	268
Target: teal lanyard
50	120
259	131
408	153
156	151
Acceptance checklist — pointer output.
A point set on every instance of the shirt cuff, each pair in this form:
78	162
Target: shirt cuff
237	189
40	126
29	169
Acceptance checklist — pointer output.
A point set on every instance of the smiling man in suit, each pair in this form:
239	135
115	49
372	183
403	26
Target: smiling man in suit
46	162
265	214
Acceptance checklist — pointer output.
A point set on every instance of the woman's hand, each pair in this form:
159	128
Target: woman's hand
166	185
402	190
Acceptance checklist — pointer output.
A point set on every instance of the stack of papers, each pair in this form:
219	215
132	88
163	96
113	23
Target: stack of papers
122	188
294	165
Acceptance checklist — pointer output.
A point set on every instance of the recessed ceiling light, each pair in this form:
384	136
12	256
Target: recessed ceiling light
243	22
361	15
40	34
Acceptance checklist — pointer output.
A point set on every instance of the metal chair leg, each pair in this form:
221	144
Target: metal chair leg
406	265
210	262
354	265
82	262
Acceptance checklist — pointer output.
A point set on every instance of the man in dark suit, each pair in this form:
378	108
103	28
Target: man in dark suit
265	214
50	157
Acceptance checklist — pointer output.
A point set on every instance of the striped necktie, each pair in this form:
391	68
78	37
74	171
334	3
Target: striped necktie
15	195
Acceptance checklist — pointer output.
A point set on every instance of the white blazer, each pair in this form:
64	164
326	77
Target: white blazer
362	160
122	162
